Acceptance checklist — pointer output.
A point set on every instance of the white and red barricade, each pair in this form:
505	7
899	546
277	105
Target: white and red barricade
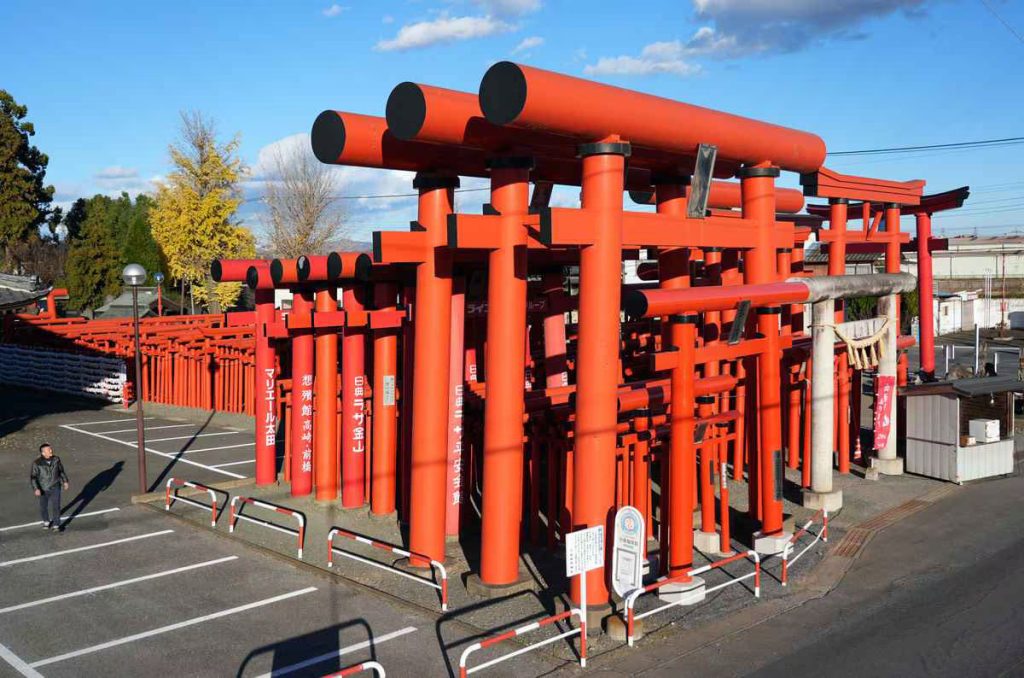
822	534
236	515
391	548
515	633
631	598
171	495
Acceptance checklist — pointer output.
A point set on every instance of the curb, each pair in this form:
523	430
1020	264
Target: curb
150	497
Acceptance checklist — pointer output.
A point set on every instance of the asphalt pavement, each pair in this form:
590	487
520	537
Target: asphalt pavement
939	593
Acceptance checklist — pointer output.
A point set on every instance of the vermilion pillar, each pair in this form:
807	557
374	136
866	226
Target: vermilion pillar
456	399
758	189
266	391
554	332
925	292
838	213
326	413
353	402
504	369
598	349
302	396
681	334
433	311
385	411
892	248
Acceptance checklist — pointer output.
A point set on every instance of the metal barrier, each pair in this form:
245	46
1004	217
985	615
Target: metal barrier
434	565
631	599
172	496
377	669
806	529
501	637
236	515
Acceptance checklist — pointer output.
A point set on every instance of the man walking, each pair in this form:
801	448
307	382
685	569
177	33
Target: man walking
47	478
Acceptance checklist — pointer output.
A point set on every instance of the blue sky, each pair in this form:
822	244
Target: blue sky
104	80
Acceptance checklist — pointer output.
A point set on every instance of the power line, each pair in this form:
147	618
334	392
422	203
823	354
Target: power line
379	195
1010	140
1003	21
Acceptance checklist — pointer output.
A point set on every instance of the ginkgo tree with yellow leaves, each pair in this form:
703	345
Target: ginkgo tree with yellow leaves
193	219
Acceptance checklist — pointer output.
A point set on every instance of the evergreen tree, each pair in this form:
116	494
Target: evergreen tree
24	199
93	265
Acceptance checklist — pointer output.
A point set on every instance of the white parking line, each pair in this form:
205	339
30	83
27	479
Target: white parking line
110	421
114	585
222	447
292	668
151	451
171	627
8	563
244	461
39	522
195	435
19	665
148	428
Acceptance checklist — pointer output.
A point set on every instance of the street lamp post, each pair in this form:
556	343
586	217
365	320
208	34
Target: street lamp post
133	276
159	278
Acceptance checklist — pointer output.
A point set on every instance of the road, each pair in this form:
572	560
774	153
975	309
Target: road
937	594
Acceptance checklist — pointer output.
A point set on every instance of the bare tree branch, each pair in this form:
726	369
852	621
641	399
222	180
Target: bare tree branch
303	215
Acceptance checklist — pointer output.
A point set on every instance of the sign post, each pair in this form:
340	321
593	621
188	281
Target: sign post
628	551
584	551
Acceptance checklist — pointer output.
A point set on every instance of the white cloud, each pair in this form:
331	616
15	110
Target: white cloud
739	28
528	44
333	11
509	7
388	19
115	172
443	29
658	57
789	25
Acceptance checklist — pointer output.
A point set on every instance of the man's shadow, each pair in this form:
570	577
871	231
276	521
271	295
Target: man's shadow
100	482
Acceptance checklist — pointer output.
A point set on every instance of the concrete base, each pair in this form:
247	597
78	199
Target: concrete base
383	517
684	593
830	501
616	628
871	474
888	467
478	589
596	616
771	544
706	542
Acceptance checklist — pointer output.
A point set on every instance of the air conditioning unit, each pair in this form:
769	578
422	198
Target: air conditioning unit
984	430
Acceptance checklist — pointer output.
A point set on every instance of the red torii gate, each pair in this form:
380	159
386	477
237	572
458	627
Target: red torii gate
924	244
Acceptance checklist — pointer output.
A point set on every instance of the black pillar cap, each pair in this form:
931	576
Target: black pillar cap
327	138
406	110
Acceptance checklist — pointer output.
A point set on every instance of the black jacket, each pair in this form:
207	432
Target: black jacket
46	473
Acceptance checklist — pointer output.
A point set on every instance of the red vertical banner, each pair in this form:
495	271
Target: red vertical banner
885	387
353	394
456	400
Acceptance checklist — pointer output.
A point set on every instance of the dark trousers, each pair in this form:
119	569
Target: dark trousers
49	505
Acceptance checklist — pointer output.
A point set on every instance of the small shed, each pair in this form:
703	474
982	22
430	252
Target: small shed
938	424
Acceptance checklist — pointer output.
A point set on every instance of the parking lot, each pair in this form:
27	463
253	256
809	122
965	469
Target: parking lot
200	452
129	590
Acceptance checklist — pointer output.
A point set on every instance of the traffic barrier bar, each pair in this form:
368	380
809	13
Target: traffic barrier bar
236	515
507	635
377	669
331	550
631	598
806	529
171	496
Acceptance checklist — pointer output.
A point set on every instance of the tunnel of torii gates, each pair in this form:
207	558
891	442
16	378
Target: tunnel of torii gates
468	370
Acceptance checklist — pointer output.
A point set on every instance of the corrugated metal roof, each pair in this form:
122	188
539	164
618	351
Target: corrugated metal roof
820	257
19	291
